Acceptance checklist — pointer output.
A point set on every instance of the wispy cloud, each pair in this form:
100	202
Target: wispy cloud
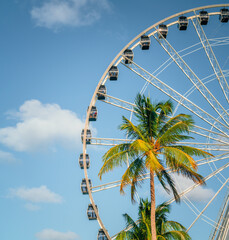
35	195
32	207
199	194
50	234
6	157
54	14
41	126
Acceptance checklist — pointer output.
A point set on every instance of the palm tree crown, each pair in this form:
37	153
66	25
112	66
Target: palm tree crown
155	147
140	230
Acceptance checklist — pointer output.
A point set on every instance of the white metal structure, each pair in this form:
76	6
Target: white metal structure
205	96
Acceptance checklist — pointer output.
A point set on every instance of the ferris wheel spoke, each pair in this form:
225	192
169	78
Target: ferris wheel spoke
210	146
216	137
216	194
195	109
114	184
215	158
211	57
220	217
129	107
209	97
206	80
198	184
108	141
169	61
196	212
118	102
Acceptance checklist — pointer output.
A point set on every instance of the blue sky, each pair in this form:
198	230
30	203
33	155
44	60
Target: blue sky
53	53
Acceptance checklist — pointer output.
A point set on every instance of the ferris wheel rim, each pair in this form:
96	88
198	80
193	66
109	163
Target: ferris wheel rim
103	80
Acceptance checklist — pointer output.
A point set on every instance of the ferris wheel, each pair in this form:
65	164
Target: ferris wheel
184	57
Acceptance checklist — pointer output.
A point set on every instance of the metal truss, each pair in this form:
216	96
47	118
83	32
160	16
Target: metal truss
108	141
211	56
209	97
216	158
185	102
119	103
209	134
200	214
222	216
197	129
198	184
207	146
200	162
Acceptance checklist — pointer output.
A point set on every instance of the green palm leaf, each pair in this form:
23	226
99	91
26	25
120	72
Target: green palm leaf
156	145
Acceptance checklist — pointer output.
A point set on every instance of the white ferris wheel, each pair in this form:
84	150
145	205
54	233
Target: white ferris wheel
184	57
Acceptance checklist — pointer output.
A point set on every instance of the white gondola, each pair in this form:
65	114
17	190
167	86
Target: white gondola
203	17
101	235
224	15
113	73
88	136
129	56
162	31
93	114
145	42
81	160
182	23
91	213
100	94
83	186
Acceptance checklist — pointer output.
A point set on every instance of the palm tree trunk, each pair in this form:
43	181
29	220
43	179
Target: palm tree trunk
153	208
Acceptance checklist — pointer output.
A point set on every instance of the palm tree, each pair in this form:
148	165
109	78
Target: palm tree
166	230
155	147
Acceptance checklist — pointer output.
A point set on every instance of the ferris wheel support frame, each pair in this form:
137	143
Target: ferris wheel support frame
103	80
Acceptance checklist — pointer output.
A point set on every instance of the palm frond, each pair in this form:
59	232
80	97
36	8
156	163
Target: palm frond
160	237
133	132
177	235
192	151
172	225
165	109
164	176
140	146
174	134
179	156
133	176
152	162
183	118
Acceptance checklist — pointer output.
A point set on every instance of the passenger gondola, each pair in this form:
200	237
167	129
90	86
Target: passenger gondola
91	212
162	31
83	186
182	23
128	56
81	160
101	235
203	17
88	136
93	114
224	15
145	42
101	92
113	73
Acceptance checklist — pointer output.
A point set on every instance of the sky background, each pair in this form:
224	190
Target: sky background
52	55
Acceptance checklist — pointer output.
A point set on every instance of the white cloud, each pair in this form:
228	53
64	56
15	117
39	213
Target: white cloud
57	13
50	234
6	157
198	194
41	126
36	195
